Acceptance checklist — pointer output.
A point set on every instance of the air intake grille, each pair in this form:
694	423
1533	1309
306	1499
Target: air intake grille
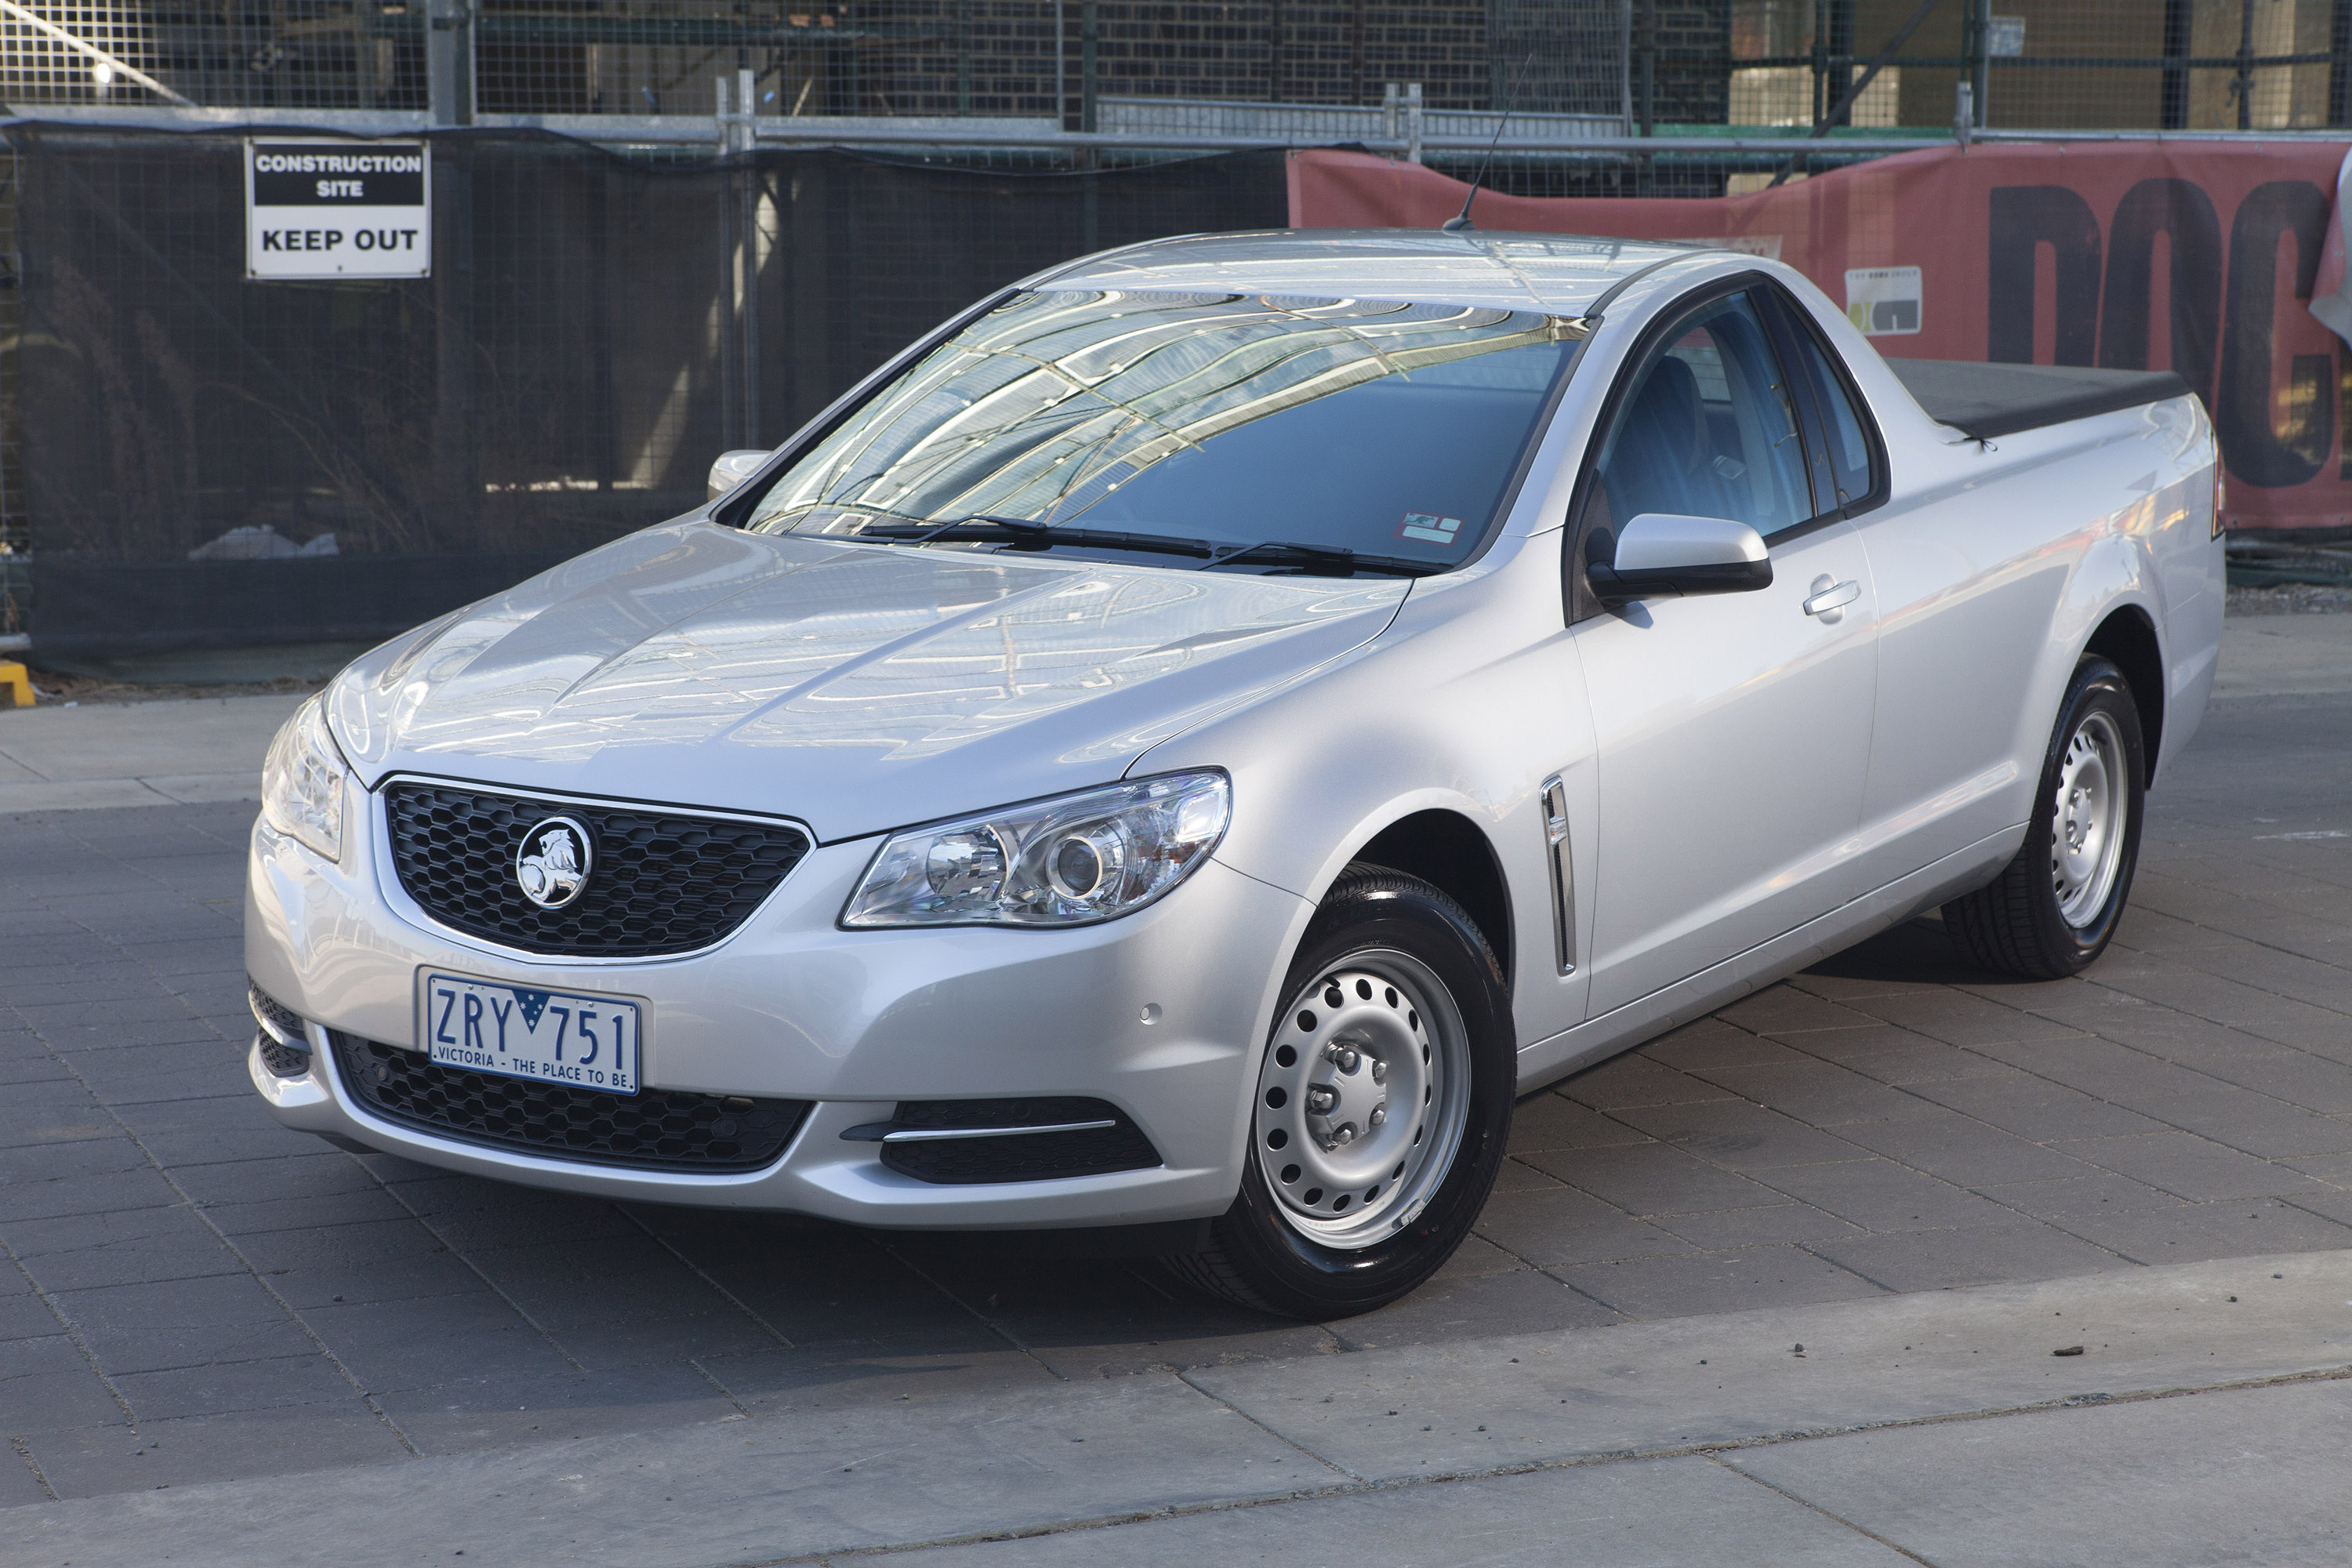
658	1129
659	882
1017	1157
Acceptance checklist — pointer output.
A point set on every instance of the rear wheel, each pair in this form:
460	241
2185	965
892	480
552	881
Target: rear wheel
2054	908
1382	1106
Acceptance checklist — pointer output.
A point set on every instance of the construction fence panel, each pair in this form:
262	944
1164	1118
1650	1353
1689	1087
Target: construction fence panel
204	459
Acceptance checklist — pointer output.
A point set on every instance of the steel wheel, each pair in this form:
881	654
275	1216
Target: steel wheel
1362	1099
2087	844
2055	907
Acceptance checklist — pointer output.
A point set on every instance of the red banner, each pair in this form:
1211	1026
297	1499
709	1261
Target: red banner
2201	257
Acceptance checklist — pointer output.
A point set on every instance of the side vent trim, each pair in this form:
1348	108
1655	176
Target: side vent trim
1563	872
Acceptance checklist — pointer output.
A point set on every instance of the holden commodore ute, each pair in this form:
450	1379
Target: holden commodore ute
1179	749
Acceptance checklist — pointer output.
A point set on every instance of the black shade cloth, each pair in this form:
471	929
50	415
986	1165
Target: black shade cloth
582	352
1988	400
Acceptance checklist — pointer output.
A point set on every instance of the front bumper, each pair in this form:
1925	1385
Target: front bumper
789	1006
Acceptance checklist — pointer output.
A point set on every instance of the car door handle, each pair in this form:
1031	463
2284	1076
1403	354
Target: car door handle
1834	598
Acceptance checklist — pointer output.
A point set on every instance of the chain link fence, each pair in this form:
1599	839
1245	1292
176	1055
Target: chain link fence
2093	65
2041	65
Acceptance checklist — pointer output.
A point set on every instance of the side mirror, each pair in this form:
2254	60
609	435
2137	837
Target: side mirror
1663	556
732	469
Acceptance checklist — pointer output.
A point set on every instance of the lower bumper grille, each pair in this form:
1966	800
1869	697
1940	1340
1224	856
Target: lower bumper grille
656	1129
284	1038
282	1060
920	1140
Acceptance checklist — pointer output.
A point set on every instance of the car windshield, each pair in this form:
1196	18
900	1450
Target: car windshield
1237	432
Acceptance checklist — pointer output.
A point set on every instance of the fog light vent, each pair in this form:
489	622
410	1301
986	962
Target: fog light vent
285	1038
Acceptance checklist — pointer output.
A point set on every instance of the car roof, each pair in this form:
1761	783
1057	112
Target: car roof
1557	273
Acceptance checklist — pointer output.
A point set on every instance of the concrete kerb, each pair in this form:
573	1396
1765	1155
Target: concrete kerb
1076	1456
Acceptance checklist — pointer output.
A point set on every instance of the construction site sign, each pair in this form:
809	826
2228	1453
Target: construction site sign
332	209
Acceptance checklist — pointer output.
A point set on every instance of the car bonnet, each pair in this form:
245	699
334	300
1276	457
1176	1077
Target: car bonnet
854	686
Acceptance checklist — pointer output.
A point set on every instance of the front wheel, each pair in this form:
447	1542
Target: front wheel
2054	908
1383	1104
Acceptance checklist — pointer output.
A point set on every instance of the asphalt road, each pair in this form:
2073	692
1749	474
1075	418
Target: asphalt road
190	1293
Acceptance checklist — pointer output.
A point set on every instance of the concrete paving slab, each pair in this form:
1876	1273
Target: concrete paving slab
1659	1513
743	1491
196	751
973	1464
2272	656
1737	1377
2253	1475
76	794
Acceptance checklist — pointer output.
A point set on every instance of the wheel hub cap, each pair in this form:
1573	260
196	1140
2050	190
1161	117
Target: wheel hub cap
1362	1099
2086	850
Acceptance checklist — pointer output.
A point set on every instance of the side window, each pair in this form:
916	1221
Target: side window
1848	446
1708	430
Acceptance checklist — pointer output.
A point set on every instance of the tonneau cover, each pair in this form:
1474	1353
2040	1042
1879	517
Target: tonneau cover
1988	400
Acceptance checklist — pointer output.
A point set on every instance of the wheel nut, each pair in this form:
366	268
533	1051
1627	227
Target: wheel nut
1344	1133
1320	1099
1380	1070
1380	1115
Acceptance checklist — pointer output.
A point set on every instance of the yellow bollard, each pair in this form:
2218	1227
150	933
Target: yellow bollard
15	682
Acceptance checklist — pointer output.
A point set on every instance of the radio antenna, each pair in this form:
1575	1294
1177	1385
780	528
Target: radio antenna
1460	222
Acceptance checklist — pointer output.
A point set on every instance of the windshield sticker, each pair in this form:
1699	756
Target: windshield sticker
1435	529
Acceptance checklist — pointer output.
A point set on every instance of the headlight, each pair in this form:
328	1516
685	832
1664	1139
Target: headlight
1066	862
302	782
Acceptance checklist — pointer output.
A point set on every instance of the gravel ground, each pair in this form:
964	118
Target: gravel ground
2290	599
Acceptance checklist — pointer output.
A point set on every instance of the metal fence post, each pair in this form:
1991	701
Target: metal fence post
727	313
1645	47
449	62
963	56
1976	59
2340	63
1625	65
1088	35
1412	121
747	262
2242	85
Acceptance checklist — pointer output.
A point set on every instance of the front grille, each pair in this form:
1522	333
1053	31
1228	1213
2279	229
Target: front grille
656	1129
1017	1157
659	882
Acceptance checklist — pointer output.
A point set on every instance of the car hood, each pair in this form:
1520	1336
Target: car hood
855	686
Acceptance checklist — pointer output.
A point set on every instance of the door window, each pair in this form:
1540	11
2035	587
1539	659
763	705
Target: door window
1846	445
1708	431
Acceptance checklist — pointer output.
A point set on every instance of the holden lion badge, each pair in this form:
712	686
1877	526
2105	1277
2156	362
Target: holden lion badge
551	865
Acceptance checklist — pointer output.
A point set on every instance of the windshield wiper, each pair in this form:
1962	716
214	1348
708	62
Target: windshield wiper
1329	558
1023	534
924	532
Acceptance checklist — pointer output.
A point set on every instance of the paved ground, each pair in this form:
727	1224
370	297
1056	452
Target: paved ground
192	1293
100	754
2199	1416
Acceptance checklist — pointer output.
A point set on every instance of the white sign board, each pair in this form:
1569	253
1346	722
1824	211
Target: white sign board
1882	302
337	209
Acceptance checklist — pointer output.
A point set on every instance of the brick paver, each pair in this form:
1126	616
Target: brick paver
190	1292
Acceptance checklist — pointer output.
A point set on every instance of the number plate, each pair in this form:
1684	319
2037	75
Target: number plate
589	1042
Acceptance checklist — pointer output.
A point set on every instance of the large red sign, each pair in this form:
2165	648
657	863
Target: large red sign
2200	257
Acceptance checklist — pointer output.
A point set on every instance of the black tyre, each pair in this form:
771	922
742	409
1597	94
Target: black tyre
2053	909
1383	1105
